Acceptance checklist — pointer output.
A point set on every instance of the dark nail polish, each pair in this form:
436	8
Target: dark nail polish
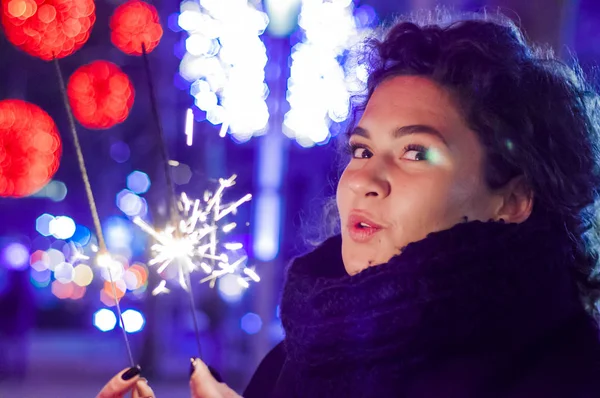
131	373
192	367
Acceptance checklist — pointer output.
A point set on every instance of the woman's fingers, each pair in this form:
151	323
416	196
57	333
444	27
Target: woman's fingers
227	392
202	383
142	389
122	383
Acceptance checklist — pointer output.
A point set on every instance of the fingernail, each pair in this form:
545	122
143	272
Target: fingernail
192	366
131	372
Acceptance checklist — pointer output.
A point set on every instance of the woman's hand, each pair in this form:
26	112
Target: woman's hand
204	385
128	380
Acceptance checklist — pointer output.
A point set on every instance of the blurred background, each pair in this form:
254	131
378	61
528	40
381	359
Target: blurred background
255	88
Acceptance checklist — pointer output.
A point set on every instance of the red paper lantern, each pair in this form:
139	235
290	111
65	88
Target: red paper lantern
48	29
133	24
30	148
100	94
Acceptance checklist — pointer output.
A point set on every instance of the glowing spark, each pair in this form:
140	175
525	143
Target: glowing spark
161	288
189	127
233	246
229	227
193	242
224	128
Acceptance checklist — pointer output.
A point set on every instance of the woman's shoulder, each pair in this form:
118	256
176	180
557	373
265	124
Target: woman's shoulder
265	378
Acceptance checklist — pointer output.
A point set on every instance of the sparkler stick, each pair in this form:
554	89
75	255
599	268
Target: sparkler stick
173	216
191	224
103	258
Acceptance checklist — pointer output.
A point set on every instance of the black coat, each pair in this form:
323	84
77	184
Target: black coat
480	310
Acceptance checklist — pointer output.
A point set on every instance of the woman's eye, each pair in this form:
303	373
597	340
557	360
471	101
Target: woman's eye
415	152
359	152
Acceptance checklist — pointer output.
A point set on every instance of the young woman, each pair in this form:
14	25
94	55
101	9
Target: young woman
466	261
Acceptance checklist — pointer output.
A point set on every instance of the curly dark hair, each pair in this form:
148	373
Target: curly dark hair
534	115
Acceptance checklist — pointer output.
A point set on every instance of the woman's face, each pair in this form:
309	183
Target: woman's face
416	168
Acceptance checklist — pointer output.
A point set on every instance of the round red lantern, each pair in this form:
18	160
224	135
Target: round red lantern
133	24
30	148
100	94
48	29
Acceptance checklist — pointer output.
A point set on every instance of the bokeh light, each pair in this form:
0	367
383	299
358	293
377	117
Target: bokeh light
182	174
62	227
131	204
42	224
229	288
64	273
54	190
16	256
107	294
39	260
82	235
48	29
78	292
138	182
40	278
120	152
100	94
62	290
225	62
119	233
105	320
135	23
83	275
319	92
134	321
30	148
55	257
251	323
136	276
283	16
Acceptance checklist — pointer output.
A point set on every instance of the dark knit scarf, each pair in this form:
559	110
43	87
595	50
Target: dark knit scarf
478	289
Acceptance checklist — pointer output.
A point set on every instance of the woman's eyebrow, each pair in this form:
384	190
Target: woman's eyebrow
402	131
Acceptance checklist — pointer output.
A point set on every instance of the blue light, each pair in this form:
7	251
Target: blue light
267	225
42	224
134	321
105	320
40	278
229	288
365	16
251	323
138	182
82	235
118	233
267	212
131	204
16	256
276	331
172	22
120	152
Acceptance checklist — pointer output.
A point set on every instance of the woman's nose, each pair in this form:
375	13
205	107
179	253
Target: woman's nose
370	180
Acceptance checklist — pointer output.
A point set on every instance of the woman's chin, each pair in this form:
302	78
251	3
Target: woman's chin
355	267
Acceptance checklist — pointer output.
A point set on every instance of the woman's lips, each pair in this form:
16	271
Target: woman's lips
361	229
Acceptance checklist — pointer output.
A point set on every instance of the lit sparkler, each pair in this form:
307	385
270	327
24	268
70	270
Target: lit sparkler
193	243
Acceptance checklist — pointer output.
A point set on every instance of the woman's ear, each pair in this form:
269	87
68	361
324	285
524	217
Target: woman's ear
517	203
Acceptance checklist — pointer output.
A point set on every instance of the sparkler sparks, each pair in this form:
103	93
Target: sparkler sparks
192	242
